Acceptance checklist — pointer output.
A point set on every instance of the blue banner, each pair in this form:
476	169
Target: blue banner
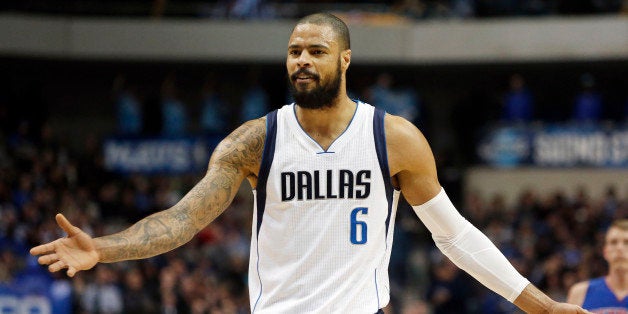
33	291
556	145
158	156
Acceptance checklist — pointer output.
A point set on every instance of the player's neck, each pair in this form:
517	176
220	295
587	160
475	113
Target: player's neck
617	280
329	122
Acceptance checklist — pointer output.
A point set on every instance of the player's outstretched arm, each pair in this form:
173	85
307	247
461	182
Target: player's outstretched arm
412	164
533	300
235	158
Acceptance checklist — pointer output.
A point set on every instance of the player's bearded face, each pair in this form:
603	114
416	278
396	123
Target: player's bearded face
321	95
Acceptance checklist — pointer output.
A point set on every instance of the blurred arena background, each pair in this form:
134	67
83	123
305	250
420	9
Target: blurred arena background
109	111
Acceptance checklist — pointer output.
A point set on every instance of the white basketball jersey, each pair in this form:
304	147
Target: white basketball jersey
324	219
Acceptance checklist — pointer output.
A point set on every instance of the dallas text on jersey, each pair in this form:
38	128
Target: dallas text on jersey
305	185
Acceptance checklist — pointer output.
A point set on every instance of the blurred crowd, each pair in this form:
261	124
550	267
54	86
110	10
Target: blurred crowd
215	108
216	105
552	237
40	177
378	11
455	117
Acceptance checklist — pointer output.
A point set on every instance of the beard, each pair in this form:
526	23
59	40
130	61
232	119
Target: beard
321	96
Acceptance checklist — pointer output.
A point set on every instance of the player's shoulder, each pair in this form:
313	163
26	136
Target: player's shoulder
580	286
577	292
246	142
256	123
250	130
401	131
407	148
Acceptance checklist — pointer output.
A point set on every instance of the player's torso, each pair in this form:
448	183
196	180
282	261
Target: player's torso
600	299
323	221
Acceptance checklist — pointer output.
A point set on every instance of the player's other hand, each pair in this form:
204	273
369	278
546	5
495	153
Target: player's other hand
567	308
75	252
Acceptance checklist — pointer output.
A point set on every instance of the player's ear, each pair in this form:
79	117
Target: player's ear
345	59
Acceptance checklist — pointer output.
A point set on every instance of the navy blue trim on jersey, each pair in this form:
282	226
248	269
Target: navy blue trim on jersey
262	177
267	161
382	156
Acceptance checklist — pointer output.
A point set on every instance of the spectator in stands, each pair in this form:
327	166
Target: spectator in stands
254	99
9	264
174	113
250	9
103	295
136	298
398	101
414	9
128	106
449	289
214	110
518	101
607	294
463	8
588	102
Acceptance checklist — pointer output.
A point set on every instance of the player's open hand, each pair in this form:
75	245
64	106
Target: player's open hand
567	308
75	252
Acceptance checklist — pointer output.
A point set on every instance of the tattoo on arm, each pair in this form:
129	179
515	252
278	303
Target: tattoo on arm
236	157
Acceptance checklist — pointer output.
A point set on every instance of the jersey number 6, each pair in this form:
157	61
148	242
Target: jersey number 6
357	224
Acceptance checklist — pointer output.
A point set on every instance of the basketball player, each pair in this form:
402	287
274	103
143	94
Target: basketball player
327	172
608	294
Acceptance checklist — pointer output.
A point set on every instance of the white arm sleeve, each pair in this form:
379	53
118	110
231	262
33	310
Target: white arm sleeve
469	248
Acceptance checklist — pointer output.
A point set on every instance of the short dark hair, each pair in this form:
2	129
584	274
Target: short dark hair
341	29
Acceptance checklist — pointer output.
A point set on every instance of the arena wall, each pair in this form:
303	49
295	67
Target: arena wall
525	39
511	182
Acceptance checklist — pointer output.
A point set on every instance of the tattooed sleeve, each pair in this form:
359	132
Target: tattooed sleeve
235	158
